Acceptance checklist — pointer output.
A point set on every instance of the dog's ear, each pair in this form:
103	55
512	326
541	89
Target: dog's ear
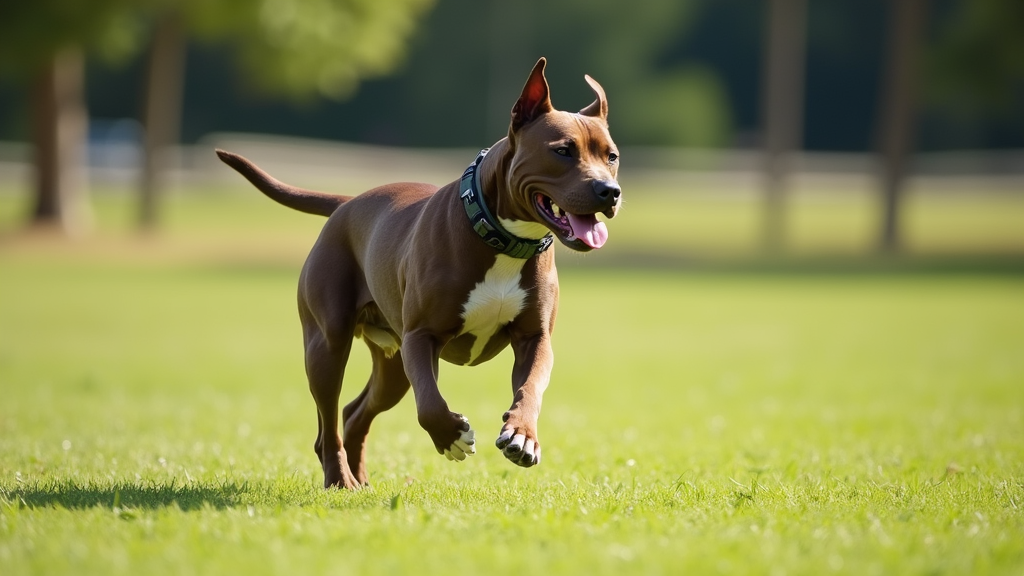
598	108
535	99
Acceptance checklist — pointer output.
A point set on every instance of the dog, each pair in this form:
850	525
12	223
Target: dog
457	273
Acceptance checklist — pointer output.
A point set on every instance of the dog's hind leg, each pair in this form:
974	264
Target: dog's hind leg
387	386
326	356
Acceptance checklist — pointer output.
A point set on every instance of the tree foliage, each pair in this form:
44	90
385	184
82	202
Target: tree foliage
31	32
666	98
290	47
296	47
978	59
471	59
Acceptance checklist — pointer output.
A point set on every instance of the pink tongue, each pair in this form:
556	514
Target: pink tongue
589	229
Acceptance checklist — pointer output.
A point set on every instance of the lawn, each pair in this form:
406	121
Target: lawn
154	418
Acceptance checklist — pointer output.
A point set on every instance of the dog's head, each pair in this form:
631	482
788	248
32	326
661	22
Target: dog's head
564	165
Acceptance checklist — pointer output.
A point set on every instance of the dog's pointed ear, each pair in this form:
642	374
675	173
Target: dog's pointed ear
598	108
535	99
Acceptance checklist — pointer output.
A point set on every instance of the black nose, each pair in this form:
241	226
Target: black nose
607	189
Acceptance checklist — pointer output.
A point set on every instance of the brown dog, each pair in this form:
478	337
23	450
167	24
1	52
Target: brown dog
457	272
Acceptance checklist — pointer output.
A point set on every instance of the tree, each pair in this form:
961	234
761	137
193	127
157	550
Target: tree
290	47
783	99
899	106
162	108
970	71
42	44
294	48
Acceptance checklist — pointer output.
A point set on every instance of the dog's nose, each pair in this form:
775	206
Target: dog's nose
607	190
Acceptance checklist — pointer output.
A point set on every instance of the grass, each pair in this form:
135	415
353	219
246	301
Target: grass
154	419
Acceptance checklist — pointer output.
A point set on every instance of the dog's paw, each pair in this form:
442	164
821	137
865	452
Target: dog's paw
464	446
518	448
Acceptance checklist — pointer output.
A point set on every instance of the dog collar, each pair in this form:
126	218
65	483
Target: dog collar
487	226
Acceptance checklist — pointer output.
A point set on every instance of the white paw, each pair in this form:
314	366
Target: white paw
464	446
518	449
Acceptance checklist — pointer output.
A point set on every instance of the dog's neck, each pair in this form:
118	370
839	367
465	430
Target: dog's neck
496	175
493	214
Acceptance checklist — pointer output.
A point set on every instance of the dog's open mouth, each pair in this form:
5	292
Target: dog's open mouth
585	228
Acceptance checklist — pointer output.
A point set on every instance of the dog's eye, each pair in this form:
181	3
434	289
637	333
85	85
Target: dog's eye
563	151
613	158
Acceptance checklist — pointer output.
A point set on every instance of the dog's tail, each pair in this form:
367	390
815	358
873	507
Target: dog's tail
308	201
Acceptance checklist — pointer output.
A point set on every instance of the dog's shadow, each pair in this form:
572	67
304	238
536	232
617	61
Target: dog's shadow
126	495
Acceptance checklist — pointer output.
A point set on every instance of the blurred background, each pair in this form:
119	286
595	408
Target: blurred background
834	129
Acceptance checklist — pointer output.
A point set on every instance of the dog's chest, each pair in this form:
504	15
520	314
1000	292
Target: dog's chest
493	302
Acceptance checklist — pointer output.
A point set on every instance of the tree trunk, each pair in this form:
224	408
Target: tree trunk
60	123
165	77
907	20
783	107
506	58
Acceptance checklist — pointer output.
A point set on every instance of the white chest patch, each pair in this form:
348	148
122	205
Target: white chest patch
494	302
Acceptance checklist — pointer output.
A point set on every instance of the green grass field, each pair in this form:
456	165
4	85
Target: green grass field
154	416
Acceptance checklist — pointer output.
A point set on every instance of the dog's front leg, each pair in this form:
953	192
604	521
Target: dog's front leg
450	432
530	375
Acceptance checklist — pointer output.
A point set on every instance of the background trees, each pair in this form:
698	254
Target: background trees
43	46
683	73
291	47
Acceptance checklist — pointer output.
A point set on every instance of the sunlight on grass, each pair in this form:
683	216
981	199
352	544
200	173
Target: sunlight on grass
156	419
